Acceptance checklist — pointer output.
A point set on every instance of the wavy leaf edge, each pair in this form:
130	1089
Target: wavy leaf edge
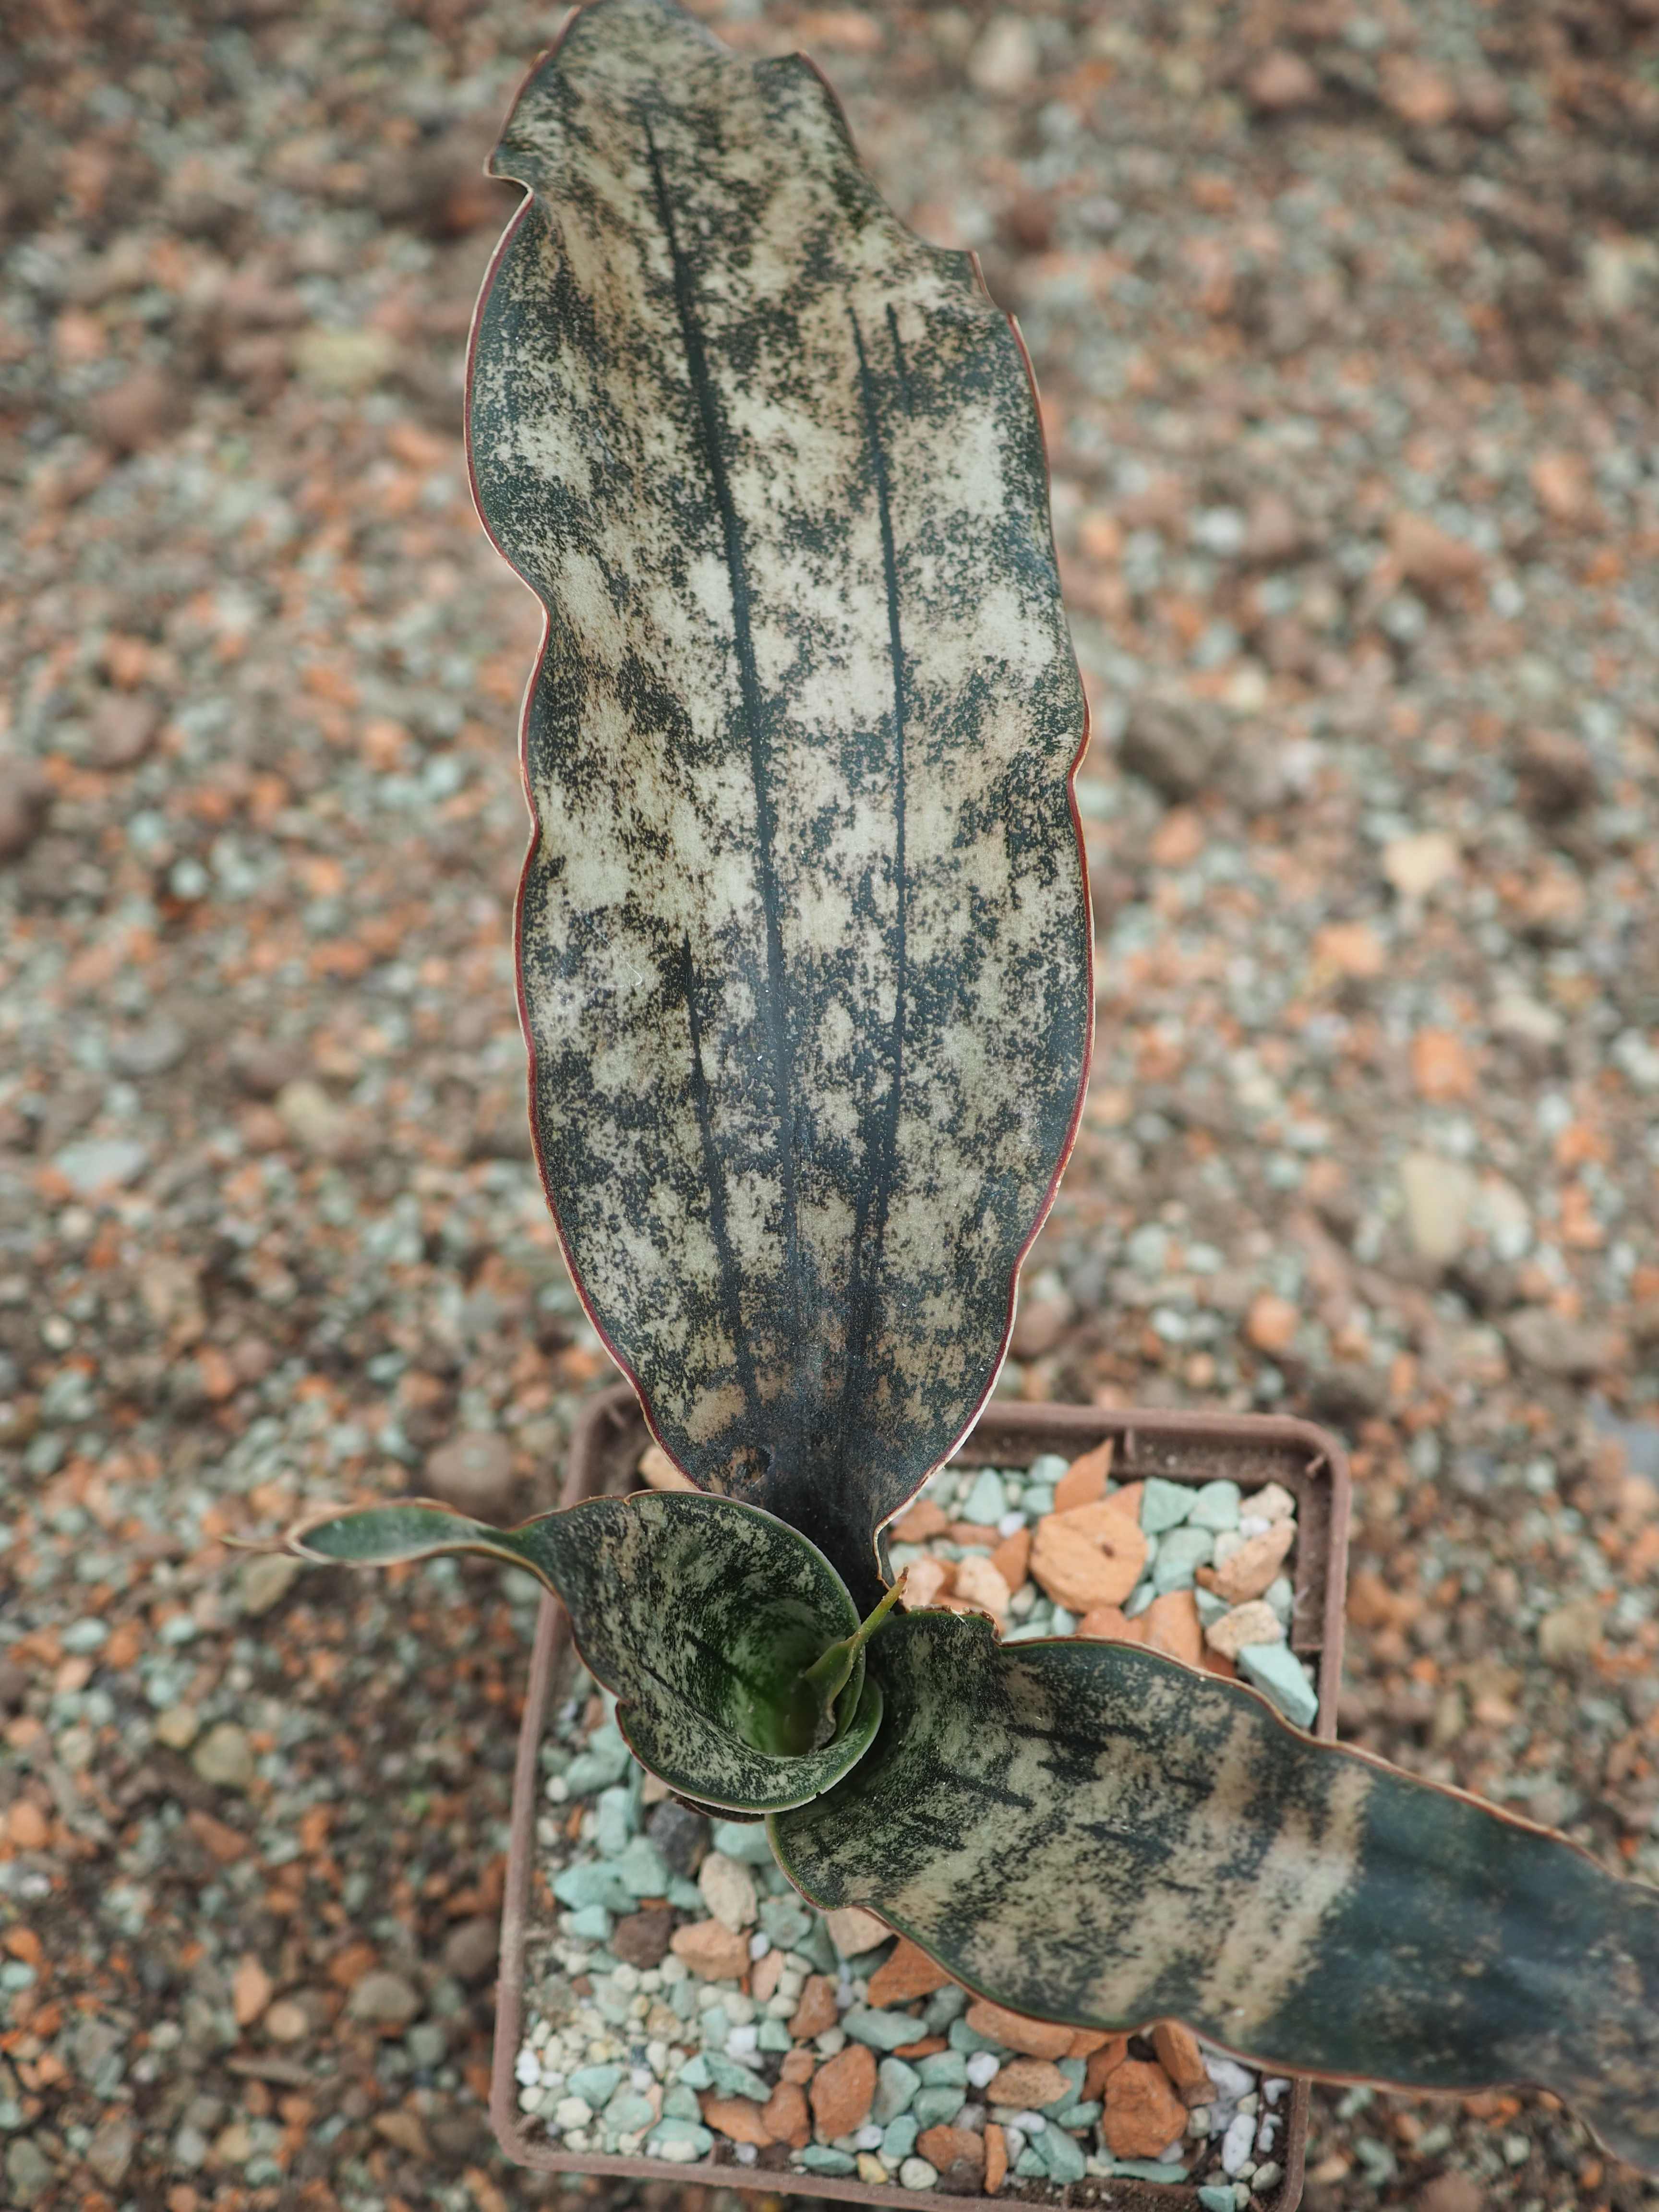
863	1570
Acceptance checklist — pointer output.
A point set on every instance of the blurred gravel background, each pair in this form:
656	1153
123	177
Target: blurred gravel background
1344	319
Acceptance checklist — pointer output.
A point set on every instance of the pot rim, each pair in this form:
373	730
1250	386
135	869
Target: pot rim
1323	1482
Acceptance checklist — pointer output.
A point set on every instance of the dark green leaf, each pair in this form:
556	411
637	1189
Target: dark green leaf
702	1614
1088	1833
804	936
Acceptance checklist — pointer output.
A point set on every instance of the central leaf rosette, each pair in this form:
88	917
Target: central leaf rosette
735	1652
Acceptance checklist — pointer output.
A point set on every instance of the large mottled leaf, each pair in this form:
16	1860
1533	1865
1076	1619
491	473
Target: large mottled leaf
1091	1833
702	1614
803	934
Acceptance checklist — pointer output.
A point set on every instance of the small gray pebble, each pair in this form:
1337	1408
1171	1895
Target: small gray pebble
680	1834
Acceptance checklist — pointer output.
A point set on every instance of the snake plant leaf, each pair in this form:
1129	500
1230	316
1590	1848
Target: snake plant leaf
803	934
702	1614
1091	1833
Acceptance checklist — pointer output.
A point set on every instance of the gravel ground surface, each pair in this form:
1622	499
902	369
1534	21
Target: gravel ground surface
1344	321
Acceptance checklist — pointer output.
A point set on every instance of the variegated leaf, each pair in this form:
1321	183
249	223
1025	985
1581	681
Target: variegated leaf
701	1614
1088	1833
804	933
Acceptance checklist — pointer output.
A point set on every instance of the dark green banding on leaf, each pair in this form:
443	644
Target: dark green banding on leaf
1088	1833
804	936
702	1614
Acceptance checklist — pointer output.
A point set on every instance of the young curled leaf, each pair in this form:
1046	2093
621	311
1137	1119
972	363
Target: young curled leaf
804	934
1088	1833
703	1615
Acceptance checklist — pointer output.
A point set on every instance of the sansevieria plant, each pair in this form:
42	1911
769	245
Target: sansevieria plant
803	951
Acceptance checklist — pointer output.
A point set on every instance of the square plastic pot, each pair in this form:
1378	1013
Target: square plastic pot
1249	1450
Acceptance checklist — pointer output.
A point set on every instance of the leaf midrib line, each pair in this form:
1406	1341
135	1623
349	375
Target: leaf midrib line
875	1193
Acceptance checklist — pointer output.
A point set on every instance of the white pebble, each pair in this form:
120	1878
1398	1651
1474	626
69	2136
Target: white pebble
780	2007
917	2173
529	2097
983	2066
867	2137
746	2153
1238	2145
558	1789
1231	2079
758	1948
1030	2124
625	1979
831	2043
1252	1524
1014	2140
1011	1524
526	2069
742	2041
1274	2088
739	2009
573	2112
1266	2133
673	1971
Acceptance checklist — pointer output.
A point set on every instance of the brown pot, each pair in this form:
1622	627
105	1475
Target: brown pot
1249	1450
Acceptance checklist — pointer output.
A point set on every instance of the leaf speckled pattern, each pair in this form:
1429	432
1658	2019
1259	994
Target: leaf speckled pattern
1088	1833
804	936
700	1612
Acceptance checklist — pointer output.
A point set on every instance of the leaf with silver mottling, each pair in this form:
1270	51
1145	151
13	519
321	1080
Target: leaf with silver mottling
702	1614
1088	1833
804	933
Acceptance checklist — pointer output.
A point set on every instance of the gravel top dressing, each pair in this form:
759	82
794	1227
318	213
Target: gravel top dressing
683	2002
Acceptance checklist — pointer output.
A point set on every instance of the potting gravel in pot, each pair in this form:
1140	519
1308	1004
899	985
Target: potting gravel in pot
805	964
667	1997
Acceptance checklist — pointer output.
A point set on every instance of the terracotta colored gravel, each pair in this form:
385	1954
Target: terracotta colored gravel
1345	332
